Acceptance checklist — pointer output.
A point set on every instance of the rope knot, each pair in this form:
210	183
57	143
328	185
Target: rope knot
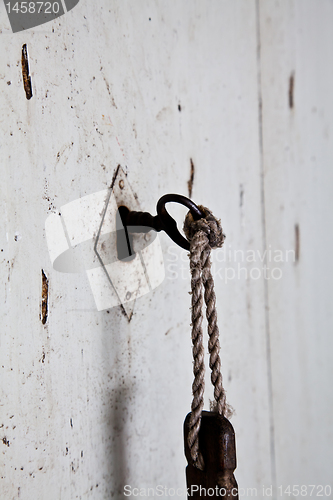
209	225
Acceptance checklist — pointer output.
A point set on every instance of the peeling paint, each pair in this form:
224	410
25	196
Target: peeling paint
191	180
297	243
45	298
291	90
5	441
241	195
25	72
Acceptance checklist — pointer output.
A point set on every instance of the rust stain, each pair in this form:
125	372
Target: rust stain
297	243
241	195
291	90
45	297
25	72
109	92
5	441
191	180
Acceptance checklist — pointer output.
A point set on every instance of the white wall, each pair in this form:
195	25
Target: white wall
90	401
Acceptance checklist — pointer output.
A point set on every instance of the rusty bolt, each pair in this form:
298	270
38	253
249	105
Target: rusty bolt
121	184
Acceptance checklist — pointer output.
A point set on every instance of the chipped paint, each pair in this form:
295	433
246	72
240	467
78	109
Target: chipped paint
191	179
25	72
45	299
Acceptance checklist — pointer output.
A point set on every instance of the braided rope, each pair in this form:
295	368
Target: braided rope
198	386
204	235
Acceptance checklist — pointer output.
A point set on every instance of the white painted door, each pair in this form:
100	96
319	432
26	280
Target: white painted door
230	103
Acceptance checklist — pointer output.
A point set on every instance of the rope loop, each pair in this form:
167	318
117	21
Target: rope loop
204	235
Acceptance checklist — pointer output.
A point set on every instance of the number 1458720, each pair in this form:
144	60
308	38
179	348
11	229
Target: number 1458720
33	7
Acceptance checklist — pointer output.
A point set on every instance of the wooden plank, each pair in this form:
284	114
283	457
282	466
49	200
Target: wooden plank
296	85
91	402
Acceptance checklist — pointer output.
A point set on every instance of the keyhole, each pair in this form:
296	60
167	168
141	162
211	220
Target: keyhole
125	250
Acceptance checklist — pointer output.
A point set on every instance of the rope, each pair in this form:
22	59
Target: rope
204	235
